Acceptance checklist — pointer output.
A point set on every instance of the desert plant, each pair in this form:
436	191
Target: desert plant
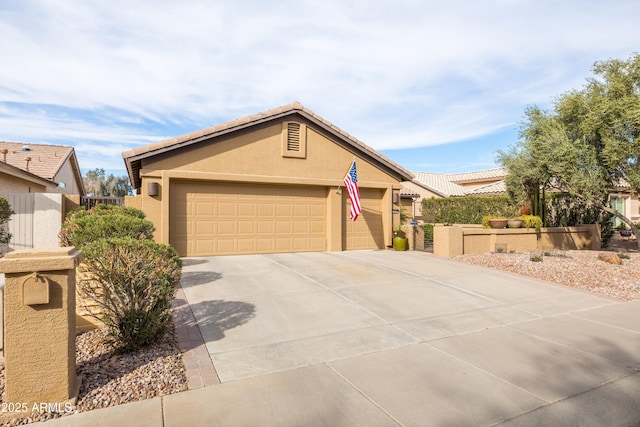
132	283
5	216
104	221
531	221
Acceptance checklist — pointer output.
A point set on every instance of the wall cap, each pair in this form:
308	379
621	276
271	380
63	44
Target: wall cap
40	259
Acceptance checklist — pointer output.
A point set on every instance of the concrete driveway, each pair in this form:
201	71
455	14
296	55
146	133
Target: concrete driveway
377	338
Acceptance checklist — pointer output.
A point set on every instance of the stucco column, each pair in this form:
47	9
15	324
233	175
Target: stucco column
40	328
448	241
335	222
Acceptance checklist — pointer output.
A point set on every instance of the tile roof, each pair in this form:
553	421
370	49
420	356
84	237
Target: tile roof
440	183
478	175
495	188
449	184
132	157
408	192
45	160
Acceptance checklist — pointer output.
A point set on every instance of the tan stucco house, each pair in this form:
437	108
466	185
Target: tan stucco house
270	182
39	168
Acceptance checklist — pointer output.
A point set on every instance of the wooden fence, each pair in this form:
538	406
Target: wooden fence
90	202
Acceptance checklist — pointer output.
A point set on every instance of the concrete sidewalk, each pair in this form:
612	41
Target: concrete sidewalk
377	338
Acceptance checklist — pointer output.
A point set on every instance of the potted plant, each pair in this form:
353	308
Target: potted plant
400	241
514	223
494	222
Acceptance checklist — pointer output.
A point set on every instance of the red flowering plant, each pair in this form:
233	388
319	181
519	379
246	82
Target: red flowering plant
399	233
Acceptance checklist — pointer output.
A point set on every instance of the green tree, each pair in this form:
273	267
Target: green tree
587	145
97	183
5	216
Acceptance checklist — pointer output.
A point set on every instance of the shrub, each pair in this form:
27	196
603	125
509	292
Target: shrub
531	221
5	216
468	209
104	221
132	283
428	233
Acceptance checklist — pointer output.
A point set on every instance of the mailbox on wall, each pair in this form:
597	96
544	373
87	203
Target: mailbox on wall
35	290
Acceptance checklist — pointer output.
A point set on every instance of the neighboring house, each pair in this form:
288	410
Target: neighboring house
487	182
270	182
39	168
490	182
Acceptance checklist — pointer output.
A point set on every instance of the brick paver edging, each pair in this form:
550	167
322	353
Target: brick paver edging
197	362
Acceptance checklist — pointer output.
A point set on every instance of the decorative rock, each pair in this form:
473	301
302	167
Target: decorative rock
577	269
611	258
109	381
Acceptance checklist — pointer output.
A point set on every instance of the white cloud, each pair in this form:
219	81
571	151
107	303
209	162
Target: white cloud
394	73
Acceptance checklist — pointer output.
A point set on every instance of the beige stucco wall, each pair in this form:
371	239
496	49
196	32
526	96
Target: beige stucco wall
458	240
40	363
13	185
66	175
255	156
424	194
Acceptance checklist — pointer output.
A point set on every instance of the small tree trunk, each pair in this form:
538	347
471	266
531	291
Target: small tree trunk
624	219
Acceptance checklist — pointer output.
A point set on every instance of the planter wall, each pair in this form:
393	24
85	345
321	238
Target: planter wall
458	240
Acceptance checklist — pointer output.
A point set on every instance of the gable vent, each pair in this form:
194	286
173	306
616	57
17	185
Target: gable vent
294	140
293	136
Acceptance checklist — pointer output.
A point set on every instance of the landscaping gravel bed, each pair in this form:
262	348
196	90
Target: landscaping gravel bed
577	269
109	380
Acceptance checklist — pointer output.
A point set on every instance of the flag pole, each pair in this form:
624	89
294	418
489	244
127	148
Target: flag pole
345	174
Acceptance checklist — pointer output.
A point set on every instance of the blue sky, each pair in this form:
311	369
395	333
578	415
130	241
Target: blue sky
436	86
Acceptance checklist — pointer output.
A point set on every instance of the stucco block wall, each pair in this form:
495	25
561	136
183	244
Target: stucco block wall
458	240
40	339
48	209
447	241
133	202
479	240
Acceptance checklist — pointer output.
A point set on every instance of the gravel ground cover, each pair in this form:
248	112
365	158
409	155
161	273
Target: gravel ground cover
577	269
109	380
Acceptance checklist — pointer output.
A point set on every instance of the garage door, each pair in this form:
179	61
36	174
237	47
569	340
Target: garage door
366	232
223	219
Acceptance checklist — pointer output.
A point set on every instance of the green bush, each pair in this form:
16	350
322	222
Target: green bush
104	221
531	221
132	283
428	233
468	209
564	210
5	216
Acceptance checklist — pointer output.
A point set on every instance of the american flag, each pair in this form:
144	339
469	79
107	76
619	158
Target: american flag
351	183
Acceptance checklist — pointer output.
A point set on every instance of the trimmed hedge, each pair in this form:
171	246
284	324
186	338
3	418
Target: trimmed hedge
104	221
468	209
